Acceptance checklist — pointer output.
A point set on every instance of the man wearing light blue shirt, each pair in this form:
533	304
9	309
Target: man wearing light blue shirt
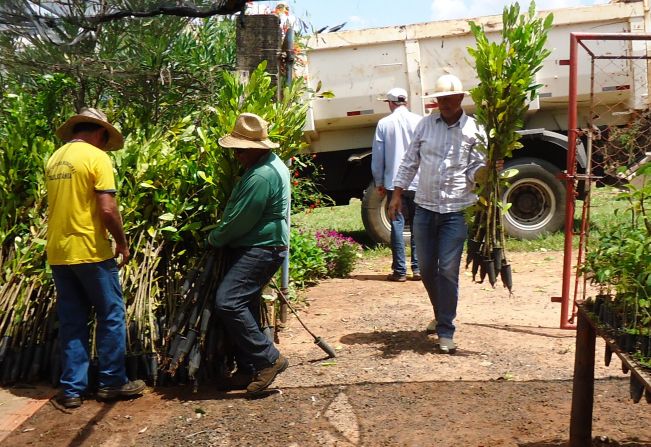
443	148
392	138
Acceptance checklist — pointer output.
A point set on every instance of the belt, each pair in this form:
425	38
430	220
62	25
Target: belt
273	248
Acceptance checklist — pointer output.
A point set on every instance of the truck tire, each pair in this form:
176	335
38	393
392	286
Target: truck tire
374	216
537	196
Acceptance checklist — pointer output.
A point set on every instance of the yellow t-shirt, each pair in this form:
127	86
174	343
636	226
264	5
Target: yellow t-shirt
76	235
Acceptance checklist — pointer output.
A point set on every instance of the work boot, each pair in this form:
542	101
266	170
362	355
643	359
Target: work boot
128	389
264	377
68	401
431	327
416	276
396	277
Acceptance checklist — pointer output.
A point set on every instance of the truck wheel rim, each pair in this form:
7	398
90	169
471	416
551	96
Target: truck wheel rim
384	215
533	204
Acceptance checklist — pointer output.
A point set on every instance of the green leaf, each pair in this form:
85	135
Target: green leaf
509	173
166	217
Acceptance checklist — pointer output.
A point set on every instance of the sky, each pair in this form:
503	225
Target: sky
360	14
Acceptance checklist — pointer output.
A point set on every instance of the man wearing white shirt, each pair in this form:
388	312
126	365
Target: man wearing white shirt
392	138
443	148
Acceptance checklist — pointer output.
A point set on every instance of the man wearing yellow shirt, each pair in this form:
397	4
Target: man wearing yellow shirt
82	211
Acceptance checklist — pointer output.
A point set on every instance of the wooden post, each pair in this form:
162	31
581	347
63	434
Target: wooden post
583	384
259	38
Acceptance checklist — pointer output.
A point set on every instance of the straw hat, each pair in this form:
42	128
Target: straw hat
89	115
447	85
250	132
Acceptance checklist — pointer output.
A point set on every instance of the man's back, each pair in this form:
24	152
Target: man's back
76	235
392	139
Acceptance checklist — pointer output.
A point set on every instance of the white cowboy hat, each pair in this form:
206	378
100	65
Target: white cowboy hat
90	115
447	85
250	132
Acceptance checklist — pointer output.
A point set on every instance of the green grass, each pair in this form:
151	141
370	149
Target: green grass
348	221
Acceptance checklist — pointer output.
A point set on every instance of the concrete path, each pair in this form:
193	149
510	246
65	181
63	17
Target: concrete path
18	403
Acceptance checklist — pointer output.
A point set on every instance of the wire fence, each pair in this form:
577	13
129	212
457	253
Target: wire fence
608	113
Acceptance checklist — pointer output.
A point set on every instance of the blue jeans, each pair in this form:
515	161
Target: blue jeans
399	263
81	287
237	303
440	239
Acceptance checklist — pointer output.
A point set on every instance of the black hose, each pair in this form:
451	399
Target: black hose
321	343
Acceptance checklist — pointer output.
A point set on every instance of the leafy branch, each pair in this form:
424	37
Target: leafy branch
506	70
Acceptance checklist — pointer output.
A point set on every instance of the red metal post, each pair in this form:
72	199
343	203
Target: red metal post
567	300
570	180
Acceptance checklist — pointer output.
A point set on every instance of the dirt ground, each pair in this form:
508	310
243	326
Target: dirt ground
509	384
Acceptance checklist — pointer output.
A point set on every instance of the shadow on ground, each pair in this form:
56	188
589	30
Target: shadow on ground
392	343
596	442
549	332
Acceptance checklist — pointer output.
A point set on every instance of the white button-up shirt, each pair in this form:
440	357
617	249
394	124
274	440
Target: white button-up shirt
448	161
393	136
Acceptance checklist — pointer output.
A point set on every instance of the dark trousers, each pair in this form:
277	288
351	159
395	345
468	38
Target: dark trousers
238	302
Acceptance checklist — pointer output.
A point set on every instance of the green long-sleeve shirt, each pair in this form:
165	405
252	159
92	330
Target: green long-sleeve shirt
256	212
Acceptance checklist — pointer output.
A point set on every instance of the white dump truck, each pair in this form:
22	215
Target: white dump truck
360	66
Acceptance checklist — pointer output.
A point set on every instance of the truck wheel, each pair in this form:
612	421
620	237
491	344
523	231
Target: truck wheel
537	197
374	216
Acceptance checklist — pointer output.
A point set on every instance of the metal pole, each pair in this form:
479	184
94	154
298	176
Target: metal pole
284	279
572	135
583	384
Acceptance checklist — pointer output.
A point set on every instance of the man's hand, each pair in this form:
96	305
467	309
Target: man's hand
107	207
395	206
122	250
381	190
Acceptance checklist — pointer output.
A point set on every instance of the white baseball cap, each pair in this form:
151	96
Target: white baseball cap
396	94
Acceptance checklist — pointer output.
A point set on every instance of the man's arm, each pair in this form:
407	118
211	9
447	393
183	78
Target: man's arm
110	217
243	211
377	160
396	203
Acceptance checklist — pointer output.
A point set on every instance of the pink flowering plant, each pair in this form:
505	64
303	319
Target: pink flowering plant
341	252
321	254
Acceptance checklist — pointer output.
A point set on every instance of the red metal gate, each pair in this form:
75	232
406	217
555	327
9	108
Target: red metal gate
612	119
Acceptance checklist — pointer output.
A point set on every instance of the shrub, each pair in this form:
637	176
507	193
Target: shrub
307	261
323	254
341	253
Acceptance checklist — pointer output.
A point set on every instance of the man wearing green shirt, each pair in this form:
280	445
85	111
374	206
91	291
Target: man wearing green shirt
254	228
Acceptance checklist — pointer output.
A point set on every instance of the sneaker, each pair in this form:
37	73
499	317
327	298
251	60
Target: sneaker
447	346
237	381
68	401
128	389
263	378
416	276
396	277
431	327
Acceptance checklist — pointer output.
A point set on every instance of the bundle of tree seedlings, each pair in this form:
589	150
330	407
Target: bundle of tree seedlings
506	70
173	184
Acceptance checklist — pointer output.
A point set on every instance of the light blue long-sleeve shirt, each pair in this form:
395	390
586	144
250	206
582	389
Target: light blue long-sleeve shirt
392	138
448	161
